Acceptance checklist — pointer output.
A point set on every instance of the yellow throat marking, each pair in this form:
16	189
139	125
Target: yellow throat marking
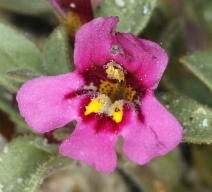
98	105
129	94
102	104
116	111
108	92
108	89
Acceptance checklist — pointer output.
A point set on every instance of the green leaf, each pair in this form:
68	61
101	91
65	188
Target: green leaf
22	52
195	118
200	65
16	52
189	86
55	56
168	36
29	7
178	79
7	105
42	144
6	65
133	14
24	166
42	171
22	75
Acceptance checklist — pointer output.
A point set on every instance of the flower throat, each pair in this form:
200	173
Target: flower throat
110	100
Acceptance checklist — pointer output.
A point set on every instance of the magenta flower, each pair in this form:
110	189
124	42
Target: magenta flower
110	94
73	14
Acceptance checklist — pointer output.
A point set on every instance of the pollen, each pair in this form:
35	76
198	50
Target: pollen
114	72
116	111
97	105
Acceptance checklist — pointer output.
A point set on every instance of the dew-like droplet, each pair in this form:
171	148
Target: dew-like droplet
120	3
146	8
205	123
72	5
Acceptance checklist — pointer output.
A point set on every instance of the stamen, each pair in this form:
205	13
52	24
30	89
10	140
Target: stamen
114	71
99	104
116	111
111	94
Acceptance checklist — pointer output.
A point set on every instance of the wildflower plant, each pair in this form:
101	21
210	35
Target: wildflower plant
110	92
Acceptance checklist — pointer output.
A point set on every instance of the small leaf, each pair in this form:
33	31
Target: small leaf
32	184
169	35
24	166
20	51
16	51
134	15
189	86
32	7
200	65
22	75
55	56
195	118
42	144
5	81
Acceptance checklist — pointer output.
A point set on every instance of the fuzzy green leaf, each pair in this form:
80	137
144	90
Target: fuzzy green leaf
29	7
16	51
195	118
20	51
42	171
134	14
168	36
189	86
200	65
6	65
55	56
24	165
22	75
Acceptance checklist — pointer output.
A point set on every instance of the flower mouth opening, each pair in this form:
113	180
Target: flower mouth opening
113	93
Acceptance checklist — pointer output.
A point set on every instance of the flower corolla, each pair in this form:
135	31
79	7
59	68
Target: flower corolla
110	94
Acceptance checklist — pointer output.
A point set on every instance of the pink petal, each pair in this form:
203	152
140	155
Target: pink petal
148	59
157	135
95	43
89	146
43	104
